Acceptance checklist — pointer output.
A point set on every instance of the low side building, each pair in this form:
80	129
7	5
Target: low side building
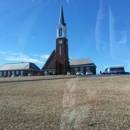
83	65
23	68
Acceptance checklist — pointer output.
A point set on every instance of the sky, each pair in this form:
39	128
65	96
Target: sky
97	29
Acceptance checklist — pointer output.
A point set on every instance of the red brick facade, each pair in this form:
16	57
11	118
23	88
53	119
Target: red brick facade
61	59
58	60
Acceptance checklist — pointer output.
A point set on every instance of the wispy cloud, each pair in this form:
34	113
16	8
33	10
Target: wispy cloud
67	1
20	56
44	56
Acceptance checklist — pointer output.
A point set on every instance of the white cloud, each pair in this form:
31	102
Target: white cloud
20	56
2	52
45	56
67	1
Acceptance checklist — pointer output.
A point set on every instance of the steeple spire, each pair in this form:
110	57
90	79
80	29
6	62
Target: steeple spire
61	19
61	28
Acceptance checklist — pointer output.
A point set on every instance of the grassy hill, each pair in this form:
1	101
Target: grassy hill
65	103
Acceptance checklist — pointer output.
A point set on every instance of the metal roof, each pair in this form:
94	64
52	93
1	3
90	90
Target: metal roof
19	66
81	61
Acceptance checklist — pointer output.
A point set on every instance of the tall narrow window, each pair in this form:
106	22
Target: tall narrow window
8	73
60	32
21	72
17	72
4	73
0	73
82	69
12	72
60	50
75	70
87	68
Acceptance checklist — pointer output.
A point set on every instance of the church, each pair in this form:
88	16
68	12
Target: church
59	63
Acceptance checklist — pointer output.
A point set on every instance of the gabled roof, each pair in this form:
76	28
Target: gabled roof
61	19
49	60
81	61
19	66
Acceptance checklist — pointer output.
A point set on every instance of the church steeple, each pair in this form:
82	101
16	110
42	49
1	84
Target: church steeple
61	55
61	28
61	19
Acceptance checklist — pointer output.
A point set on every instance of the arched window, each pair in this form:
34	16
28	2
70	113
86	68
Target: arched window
60	32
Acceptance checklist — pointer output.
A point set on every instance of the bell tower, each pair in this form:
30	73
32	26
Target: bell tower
61	59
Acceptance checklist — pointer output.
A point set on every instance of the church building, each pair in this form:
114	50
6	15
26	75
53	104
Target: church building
59	62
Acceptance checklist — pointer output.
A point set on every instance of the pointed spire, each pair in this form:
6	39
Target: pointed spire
61	19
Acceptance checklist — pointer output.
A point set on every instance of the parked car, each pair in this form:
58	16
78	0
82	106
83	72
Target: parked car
30	74
89	73
70	73
13	75
79	73
21	75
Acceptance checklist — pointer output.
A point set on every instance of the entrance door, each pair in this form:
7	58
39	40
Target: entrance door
60	68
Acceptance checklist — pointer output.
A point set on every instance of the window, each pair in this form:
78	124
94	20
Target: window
4	73
82	70
17	72
106	69
120	68
21	72
60	50
0	73
12	72
113	69
60	32
8	73
75	70
87	68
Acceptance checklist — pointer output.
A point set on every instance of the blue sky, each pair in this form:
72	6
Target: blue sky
97	29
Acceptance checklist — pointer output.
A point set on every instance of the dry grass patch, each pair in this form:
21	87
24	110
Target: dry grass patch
66	104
